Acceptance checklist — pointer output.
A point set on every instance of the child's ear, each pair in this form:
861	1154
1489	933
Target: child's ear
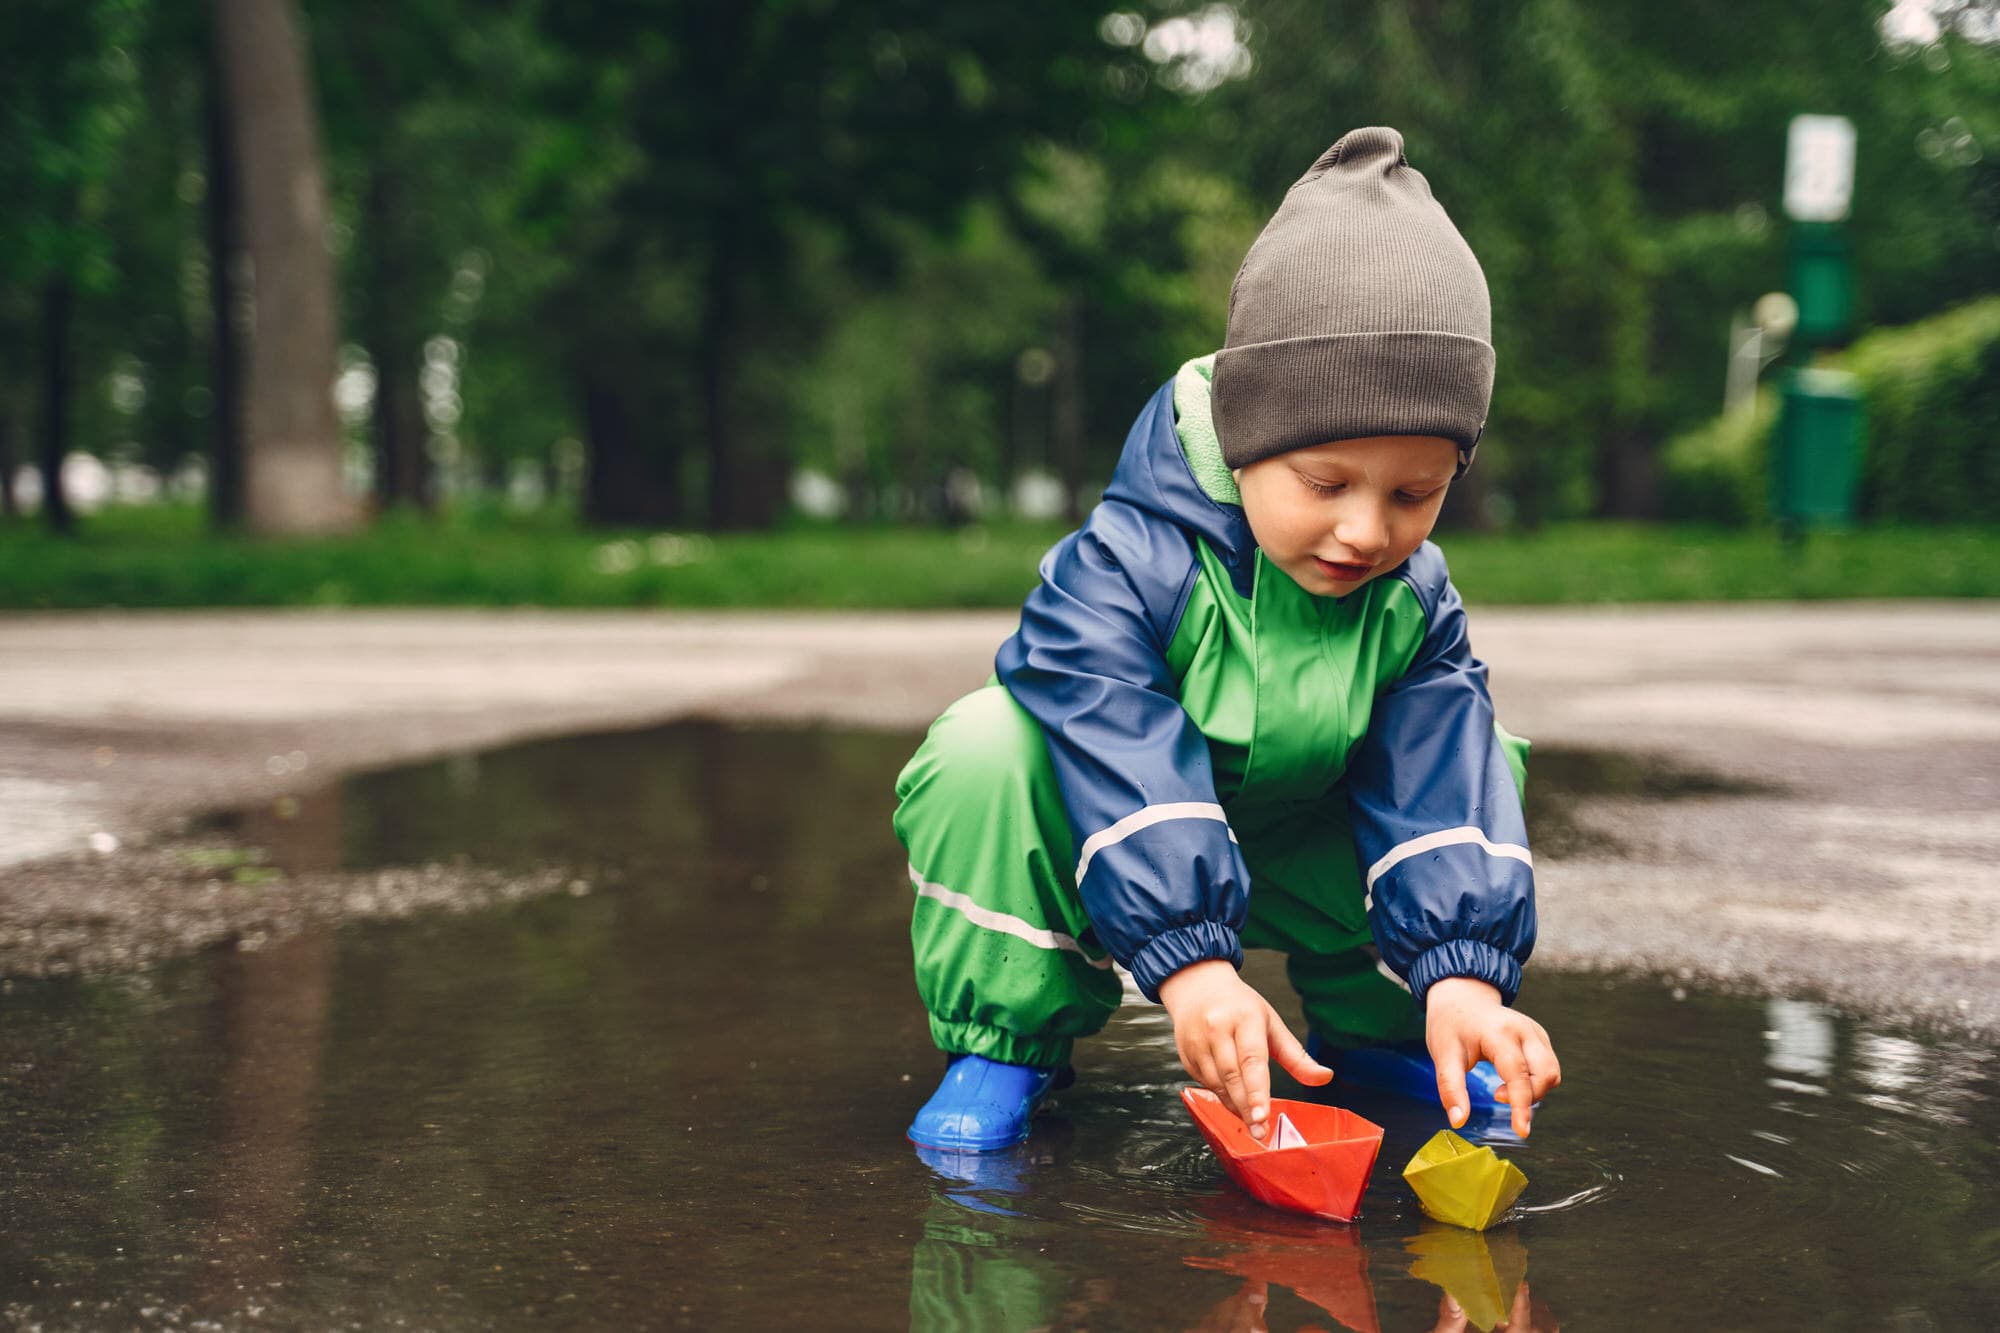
1237	474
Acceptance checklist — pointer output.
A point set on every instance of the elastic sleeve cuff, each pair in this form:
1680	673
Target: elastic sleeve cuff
1465	958
1168	953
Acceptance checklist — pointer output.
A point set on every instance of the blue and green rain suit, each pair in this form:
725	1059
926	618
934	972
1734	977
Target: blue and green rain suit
1183	754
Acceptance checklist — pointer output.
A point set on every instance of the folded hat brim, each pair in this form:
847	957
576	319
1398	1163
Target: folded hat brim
1273	397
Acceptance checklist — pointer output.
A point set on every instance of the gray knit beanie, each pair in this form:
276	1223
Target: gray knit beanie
1359	311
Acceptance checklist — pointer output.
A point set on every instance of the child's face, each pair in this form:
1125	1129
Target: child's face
1333	516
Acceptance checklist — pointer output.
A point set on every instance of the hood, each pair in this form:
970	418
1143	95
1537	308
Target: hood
1156	472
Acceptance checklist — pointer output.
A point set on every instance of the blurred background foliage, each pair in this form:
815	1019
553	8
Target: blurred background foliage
659	264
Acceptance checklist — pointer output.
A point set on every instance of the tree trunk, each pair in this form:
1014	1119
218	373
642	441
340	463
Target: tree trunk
274	1004
292	456
552	478
714	366
402	471
1007	468
1627	484
402	474
227	319
746	487
1066	424
58	305
496	475
10	455
625	482
1467	505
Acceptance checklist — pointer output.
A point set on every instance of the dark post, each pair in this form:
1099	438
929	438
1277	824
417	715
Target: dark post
58	302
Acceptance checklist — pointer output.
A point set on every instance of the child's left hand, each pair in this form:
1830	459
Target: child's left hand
1465	1022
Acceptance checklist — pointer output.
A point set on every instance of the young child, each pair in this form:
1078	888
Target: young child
1241	711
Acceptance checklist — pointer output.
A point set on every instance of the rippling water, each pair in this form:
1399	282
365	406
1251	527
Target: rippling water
678	1101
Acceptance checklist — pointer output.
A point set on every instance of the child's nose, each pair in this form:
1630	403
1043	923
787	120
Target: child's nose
1362	530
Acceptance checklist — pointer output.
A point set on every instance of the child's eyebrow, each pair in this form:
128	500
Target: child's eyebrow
1326	471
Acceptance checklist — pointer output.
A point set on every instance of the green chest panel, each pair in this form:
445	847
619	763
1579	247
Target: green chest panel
1283	683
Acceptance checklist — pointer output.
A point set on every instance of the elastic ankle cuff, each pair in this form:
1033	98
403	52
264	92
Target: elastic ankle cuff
999	1044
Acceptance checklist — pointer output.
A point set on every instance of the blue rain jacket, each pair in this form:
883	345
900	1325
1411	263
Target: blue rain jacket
1107	656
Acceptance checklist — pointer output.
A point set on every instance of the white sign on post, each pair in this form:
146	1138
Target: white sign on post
1819	168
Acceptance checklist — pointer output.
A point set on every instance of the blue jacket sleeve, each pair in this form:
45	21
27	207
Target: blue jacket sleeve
1437	818
1157	866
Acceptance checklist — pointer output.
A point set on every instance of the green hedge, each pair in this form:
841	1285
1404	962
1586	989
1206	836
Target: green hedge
1932	394
1933	417
1721	472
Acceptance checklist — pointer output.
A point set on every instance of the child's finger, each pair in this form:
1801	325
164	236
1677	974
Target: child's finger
1228	1062
1286	1050
1451	1083
1543	1068
1210	1075
1200	1065
1512	1065
1255	1060
1522	1316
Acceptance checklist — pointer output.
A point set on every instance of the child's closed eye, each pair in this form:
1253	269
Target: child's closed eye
1336	487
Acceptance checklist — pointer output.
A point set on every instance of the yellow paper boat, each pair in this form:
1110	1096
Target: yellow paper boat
1482	1275
1463	1185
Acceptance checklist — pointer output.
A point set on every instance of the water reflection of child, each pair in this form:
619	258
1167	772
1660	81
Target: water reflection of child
1249	667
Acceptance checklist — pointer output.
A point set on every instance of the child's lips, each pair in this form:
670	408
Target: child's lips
1343	573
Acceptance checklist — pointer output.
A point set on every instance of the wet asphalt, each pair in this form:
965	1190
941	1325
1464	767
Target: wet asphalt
1792	800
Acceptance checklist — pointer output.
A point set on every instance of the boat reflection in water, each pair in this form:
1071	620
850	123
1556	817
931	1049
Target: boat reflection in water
1482	1276
1325	1265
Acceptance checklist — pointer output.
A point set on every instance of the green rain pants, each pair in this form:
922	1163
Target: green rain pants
1006	961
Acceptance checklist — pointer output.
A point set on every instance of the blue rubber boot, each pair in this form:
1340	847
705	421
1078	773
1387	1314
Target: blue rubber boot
1406	1069
981	1105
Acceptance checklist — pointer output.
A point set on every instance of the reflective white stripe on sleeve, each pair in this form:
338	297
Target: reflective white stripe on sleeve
1450	837
1000	921
1146	818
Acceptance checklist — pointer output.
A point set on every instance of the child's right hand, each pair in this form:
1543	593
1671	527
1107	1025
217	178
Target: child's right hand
1226	1034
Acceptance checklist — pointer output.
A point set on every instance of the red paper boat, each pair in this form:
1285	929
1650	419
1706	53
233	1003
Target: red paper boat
1325	1176
1325	1266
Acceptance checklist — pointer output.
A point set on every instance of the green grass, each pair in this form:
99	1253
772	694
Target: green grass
162	557
1633	562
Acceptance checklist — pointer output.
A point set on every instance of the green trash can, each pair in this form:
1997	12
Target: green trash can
1821	280
1819	447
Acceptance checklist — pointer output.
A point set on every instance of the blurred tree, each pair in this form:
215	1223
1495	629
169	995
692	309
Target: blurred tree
10	454
1025	340
910	244
421	140
375	63
292	474
222	230
66	103
751	125
1617	167
1142	241
155	340
916	378
1505	110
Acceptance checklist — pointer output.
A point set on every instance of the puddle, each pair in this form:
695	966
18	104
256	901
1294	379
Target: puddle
678	1101
1566	774
1562	783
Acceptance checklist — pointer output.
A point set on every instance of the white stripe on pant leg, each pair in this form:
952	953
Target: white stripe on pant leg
1000	921
1451	837
1146	818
